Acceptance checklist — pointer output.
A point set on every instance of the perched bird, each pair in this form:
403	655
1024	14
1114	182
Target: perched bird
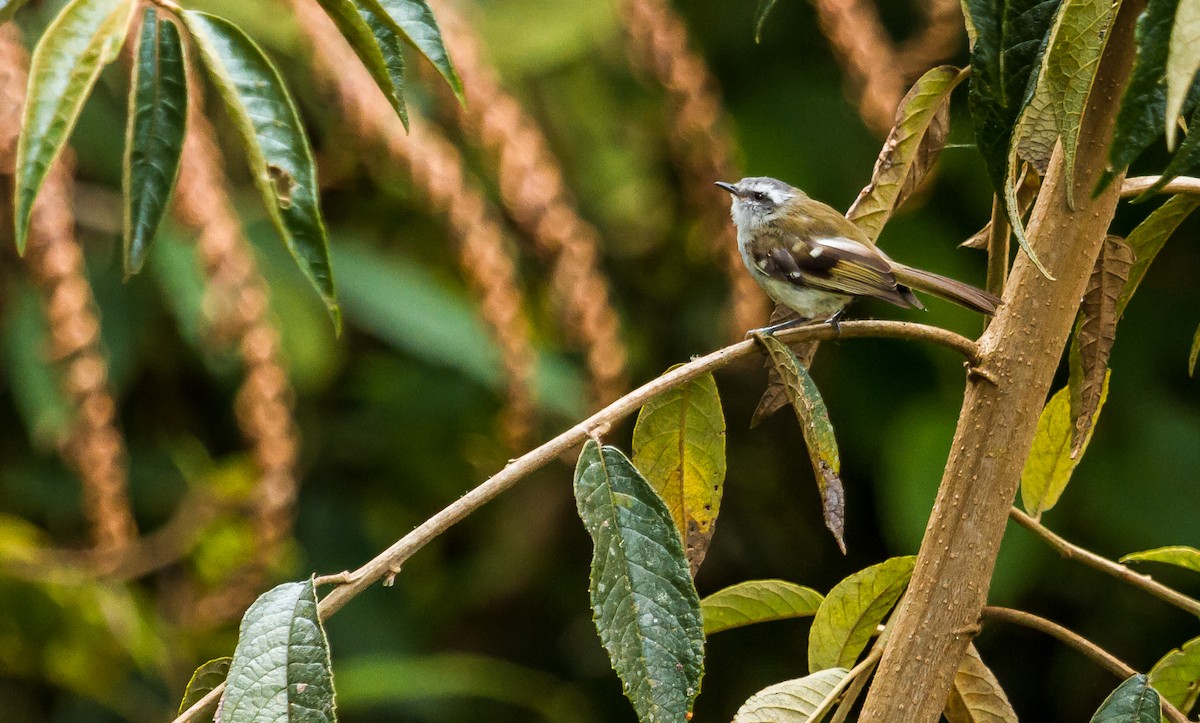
814	261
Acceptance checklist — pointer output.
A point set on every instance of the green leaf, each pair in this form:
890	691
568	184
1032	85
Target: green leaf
281	160
154	136
375	44
1183	60
853	609
1134	701
793	701
1178	555
85	36
818	433
204	680
1050	463
911	149
1177	676
280	669
976	695
1148	239
646	608
679	445
8	7
760	17
1186	160
413	20
757	601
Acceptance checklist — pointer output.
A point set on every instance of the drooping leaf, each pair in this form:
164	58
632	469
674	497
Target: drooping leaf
1186	160
757	601
1050	463
911	149
679	445
760	17
414	21
818	434
280	668
1095	332
645	606
1134	701
206	677
775	396
976	696
793	701
1177	676
360	27
852	610
1183	60
1194	353
1178	555
154	135
8	7
1148	239
281	160
85	36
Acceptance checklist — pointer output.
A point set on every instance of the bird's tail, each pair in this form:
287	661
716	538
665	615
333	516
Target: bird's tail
948	289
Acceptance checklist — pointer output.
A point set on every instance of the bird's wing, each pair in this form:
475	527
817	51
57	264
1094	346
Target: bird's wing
837	264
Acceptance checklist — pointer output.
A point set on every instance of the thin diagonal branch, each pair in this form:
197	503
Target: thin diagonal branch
1139	184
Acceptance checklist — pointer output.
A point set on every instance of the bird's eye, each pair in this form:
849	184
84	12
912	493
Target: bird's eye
758	196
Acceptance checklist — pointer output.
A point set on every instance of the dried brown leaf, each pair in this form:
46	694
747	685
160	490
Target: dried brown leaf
977	696
775	396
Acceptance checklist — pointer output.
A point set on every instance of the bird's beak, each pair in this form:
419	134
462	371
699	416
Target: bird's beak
729	187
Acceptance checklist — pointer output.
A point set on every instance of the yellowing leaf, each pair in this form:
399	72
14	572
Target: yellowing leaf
1179	555
853	609
793	701
1194	353
204	680
1050	463
1177	676
757	601
976	696
1183	60
679	446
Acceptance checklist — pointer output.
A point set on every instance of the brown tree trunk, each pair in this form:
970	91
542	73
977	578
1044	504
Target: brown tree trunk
1020	352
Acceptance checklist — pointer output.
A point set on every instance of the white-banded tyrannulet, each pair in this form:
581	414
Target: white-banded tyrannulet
814	261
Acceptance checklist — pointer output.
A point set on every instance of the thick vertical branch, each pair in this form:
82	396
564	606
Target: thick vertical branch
1020	352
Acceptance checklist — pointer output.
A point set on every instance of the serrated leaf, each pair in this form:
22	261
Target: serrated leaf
359	25
792	701
679	446
8	7
1095	332
204	680
280	668
1050	463
911	149
1148	238
154	136
83	38
818	434
1178	555
760	17
644	603
774	397
1183	60
281	159
976	696
1177	676
757	601
853	609
1194	353
1134	701
414	21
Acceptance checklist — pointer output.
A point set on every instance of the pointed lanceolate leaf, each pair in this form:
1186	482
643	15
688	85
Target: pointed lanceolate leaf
281	160
760	17
1050	463
1148	239
354	23
645	606
1134	701
204	680
1183	60
1186	160
280	669
154	136
818	433
679	445
911	149
793	701
85	36
852	610
1178	555
391	46
1177	676
1095	332
414	20
757	601
775	396
976	696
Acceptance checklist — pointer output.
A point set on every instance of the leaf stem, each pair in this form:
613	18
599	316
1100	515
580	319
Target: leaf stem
862	670
1103	564
1097	654
997	249
1138	184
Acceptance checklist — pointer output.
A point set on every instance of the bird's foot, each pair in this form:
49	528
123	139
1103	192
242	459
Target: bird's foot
836	322
781	326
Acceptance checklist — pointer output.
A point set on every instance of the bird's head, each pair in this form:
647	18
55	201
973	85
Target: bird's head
758	200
